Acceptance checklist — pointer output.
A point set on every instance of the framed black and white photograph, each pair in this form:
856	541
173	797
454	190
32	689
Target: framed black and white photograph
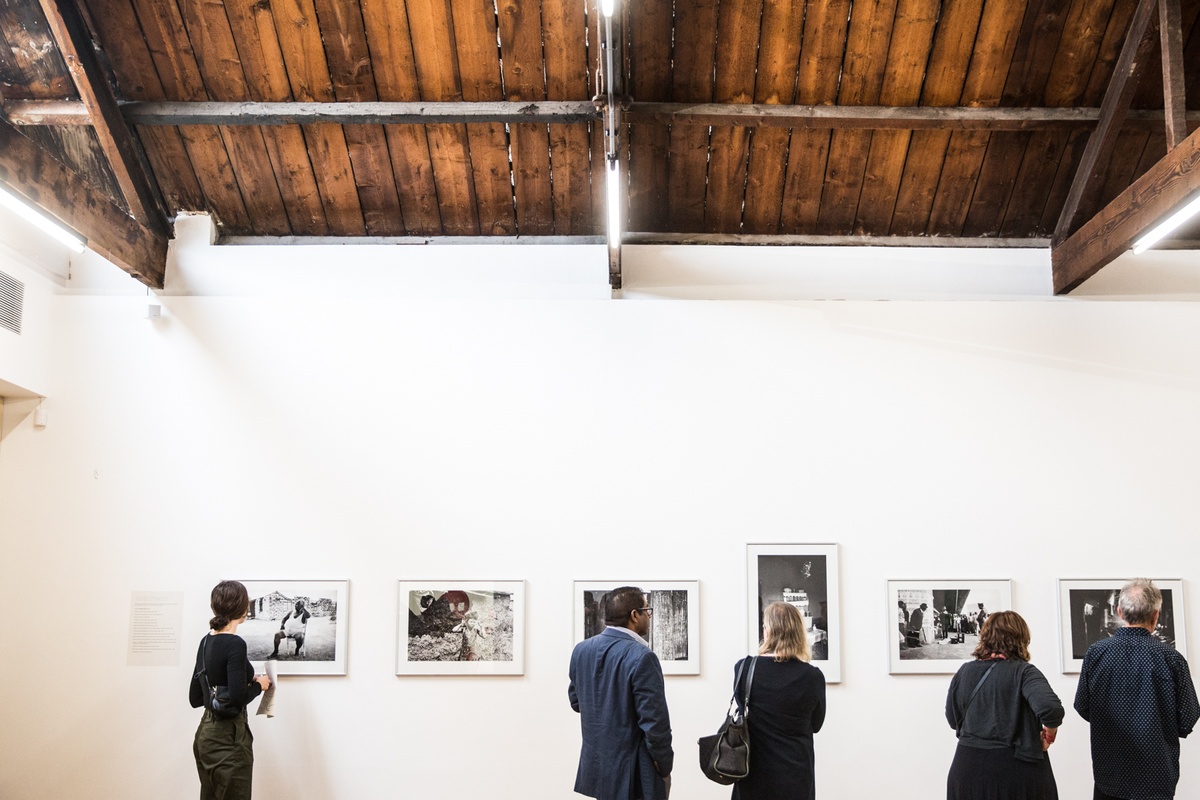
805	576
461	628
1087	612
934	625
674	624
300	625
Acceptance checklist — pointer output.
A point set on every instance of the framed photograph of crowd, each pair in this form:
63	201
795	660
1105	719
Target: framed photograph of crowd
300	625
934	624
805	576
1087	612
674	624
461	628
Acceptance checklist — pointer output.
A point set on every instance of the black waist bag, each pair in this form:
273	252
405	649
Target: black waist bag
216	698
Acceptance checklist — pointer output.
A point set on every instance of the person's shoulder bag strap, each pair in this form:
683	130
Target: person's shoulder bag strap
738	711
204	657
749	682
963	716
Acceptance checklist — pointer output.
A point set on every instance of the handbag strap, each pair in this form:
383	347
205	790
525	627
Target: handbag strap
745	704
963	717
749	683
203	657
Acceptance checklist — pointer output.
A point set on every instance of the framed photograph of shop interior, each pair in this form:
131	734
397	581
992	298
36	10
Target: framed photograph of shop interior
300	625
674	624
933	625
1087	612
806	576
452	627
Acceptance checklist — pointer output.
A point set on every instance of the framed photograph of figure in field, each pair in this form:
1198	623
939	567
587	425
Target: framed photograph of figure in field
461	628
805	576
1087	613
674	624
301	625
933	626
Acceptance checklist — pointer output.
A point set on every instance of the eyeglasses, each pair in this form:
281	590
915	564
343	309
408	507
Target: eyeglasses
648	611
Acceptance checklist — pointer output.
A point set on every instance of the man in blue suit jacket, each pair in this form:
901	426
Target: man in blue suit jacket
617	688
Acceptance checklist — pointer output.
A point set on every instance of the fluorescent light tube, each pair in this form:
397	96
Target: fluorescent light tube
41	221
1166	227
612	191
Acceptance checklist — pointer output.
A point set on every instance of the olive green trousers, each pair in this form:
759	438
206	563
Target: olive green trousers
224	750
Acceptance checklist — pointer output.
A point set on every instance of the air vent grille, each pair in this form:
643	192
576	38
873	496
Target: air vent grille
12	303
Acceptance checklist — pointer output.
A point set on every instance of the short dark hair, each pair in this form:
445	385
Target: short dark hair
1003	634
621	603
229	601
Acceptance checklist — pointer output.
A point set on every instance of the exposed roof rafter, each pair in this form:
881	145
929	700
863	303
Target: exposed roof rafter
1111	232
27	171
119	145
1170	26
1137	48
911	118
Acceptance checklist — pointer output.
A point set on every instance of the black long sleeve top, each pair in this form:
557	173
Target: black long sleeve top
226	665
1009	711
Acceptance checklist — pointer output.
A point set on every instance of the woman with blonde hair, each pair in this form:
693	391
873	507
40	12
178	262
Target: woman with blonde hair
787	706
1006	716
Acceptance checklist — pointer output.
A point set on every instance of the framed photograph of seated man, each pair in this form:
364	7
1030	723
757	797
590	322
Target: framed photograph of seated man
1087	612
933	625
301	625
451	627
805	576
674	624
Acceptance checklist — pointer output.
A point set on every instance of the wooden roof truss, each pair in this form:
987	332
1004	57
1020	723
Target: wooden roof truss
909	121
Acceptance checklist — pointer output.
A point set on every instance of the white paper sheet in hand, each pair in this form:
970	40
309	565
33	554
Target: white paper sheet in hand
267	704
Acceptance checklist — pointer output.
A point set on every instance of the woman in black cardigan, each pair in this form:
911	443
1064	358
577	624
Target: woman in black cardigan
224	747
787	706
1006	716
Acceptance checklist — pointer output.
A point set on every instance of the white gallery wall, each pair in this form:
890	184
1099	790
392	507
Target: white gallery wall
348	435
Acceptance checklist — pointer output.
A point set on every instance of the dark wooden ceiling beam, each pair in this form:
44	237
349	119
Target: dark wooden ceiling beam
1170	25
30	173
1113	110
1111	232
308	113
117	141
909	118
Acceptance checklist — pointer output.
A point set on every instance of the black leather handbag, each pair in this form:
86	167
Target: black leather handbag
725	756
216	698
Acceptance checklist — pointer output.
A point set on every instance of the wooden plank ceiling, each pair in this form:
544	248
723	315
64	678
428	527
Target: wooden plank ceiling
1005	177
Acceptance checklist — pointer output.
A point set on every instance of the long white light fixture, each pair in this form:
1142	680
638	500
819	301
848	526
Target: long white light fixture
1165	228
40	221
607	7
612	189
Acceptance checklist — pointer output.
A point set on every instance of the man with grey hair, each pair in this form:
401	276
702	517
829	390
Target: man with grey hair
1138	695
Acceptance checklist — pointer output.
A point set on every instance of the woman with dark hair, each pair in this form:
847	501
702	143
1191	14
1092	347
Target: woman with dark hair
1006	716
787	706
223	747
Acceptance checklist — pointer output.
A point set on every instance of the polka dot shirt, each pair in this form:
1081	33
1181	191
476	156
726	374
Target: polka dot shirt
1138	696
